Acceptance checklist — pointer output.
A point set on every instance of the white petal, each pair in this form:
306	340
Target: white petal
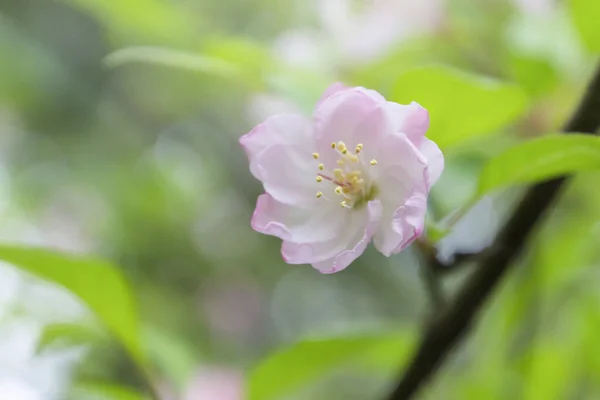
359	227
288	173
295	224
435	160
353	116
400	228
346	257
279	129
399	159
412	120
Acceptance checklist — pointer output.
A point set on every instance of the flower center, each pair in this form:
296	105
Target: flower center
350	181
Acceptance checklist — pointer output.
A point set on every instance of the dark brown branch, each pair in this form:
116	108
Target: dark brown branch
445	330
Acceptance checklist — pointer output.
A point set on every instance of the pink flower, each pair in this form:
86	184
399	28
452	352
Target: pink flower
215	384
360	170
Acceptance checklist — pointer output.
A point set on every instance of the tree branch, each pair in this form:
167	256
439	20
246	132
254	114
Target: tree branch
445	331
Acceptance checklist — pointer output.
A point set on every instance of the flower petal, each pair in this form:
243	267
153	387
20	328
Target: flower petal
296	224
410	220
435	159
399	159
412	120
311	252
337	254
288	173
278	129
330	91
405	225
404	184
346	257
355	115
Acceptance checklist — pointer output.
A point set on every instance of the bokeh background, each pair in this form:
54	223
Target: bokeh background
119	122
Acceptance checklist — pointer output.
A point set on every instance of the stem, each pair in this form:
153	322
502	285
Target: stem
430	275
450	326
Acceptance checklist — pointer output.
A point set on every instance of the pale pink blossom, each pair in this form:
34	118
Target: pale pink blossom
215	384
351	32
367	29
360	170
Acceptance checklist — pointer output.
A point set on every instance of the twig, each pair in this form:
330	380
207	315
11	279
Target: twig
434	288
430	275
445	330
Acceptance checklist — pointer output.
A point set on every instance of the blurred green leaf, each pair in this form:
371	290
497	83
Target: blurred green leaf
67	335
304	87
172	58
586	16
174	357
302	364
461	105
252	59
435	233
97	283
159	20
381	73
535	74
548	368
591	326
563	254
104	391
540	159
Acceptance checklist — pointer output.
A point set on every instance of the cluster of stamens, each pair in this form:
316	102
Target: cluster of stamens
347	178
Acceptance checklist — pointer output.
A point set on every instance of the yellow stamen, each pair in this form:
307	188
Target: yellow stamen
341	146
349	180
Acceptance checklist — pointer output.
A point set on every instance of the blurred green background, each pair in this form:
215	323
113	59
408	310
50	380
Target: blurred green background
119	122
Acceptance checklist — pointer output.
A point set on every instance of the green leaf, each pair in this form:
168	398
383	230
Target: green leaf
172	58
461	105
550	369
436	233
175	358
535	74
586	16
253	60
305	362
154	20
104	391
539	159
97	283
67	335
